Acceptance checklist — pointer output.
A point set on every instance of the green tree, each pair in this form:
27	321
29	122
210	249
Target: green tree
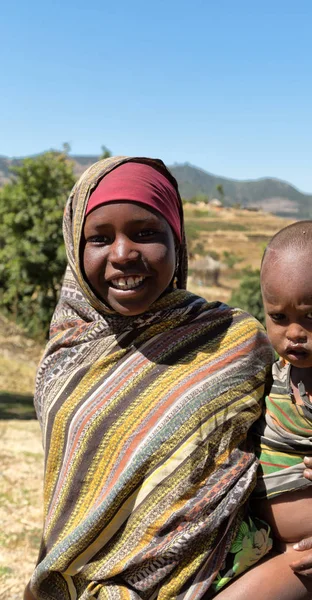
248	294
215	255
199	248
231	259
192	232
66	148
106	153
32	254
220	190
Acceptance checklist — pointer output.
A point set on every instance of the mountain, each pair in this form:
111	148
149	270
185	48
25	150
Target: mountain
269	194
272	195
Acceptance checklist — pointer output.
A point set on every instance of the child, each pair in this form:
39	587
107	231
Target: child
145	395
284	435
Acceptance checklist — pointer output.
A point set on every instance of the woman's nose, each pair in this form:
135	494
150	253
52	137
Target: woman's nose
123	250
295	333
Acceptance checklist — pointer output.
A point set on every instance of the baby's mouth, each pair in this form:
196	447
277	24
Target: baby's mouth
127	283
297	350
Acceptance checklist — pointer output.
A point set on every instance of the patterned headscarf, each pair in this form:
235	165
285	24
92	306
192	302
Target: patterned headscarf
140	183
77	206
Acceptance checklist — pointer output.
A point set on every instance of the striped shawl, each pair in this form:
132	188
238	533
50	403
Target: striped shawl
145	421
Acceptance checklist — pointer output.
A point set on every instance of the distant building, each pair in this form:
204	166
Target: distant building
205	271
215	202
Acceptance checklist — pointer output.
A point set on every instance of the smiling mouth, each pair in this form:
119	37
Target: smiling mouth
127	283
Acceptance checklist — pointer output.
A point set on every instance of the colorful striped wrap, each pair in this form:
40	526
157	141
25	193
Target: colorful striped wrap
145	423
283	437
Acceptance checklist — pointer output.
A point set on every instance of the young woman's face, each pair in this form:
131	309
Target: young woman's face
128	255
287	299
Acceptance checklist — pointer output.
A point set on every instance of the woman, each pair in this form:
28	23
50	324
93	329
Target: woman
145	396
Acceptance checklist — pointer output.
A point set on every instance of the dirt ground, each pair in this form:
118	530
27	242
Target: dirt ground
21	459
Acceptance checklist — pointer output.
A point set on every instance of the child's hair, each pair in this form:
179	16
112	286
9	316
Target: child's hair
297	236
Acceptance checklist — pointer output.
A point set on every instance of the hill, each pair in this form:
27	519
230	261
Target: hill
269	194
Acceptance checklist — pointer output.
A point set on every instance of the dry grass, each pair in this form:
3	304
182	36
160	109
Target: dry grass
18	360
21	459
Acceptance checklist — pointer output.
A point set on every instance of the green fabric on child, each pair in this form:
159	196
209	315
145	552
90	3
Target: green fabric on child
252	543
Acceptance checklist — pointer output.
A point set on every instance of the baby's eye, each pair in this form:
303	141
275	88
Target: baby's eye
309	315
277	316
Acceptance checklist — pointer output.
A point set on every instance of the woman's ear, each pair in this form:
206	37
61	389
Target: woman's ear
177	259
176	269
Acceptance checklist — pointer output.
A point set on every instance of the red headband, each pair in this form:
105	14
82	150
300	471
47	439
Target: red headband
138	182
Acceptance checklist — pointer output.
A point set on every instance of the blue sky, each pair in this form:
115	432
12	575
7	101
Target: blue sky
223	84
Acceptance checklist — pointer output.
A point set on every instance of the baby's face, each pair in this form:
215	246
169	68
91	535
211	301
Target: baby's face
286	284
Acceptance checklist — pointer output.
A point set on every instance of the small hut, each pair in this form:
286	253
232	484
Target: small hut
205	271
215	202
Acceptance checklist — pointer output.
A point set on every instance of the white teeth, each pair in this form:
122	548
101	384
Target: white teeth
127	283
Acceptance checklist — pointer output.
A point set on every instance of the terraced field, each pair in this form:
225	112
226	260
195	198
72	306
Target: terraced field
241	233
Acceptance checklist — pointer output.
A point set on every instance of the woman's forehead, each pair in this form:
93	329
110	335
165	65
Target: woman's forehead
138	182
125	211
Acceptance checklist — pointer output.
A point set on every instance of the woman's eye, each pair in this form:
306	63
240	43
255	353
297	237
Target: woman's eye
146	233
98	239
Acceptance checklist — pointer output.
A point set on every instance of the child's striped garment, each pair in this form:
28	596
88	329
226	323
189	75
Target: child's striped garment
283	437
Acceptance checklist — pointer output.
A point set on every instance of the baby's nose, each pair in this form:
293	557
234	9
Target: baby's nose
296	333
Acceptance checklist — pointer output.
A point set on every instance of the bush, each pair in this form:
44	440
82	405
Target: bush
231	259
248	294
32	254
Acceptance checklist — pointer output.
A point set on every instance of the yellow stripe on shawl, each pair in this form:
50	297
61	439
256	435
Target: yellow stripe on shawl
63	416
71	588
182	573
237	334
104	349
135	414
75	397
129	537
144	403
93	376
150	483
